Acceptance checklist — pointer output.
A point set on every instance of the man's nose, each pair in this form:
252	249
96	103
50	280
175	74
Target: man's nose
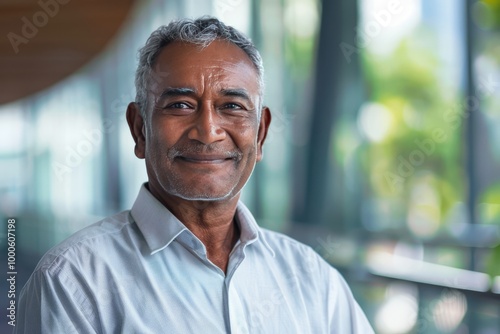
207	127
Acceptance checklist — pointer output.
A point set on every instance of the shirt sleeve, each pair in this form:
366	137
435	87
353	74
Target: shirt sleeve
345	314
56	301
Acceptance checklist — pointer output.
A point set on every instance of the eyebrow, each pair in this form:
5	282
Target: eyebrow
179	91
236	92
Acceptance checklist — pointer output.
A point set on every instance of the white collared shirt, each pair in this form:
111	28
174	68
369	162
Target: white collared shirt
142	271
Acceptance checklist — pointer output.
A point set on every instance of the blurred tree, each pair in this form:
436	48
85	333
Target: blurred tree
423	142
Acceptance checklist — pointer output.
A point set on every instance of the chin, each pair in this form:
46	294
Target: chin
207	197
208	191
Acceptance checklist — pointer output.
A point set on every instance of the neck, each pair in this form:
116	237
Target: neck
210	221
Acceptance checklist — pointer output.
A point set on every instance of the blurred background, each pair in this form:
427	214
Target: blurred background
383	155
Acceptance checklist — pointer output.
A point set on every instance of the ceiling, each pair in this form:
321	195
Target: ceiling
63	37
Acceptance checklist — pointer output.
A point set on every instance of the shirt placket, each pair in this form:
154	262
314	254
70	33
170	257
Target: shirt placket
234	316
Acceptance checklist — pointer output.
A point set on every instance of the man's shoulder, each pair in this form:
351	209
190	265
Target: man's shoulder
279	239
95	238
298	257
289	248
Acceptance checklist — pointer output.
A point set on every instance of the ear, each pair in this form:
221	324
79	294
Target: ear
265	121
136	126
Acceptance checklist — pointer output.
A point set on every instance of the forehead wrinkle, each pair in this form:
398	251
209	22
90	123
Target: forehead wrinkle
220	74
214	79
224	66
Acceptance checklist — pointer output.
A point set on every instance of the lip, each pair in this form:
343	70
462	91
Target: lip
206	159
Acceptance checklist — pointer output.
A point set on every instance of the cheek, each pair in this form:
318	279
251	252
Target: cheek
156	150
163	135
249	153
244	134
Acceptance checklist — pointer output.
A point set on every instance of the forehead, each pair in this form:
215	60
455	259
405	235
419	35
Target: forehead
220	63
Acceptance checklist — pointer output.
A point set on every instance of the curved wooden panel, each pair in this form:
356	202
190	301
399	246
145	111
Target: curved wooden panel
43	41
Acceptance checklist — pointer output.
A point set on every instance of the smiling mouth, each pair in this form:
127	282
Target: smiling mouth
206	159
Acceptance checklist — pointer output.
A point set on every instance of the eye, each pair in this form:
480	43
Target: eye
178	109
178	105
231	106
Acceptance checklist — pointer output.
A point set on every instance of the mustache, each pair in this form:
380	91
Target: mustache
195	149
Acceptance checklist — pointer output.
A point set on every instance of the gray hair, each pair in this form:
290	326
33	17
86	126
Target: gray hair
202	32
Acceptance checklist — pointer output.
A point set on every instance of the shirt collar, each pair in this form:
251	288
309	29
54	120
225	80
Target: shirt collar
160	227
249	229
157	224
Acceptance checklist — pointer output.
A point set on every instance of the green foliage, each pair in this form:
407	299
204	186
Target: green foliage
493	262
489	207
487	14
406	83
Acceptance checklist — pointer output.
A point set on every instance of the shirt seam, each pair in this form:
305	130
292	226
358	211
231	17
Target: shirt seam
73	246
95	315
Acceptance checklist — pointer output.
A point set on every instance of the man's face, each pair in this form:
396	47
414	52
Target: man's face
202	135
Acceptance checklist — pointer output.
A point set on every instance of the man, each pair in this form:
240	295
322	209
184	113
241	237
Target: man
189	257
